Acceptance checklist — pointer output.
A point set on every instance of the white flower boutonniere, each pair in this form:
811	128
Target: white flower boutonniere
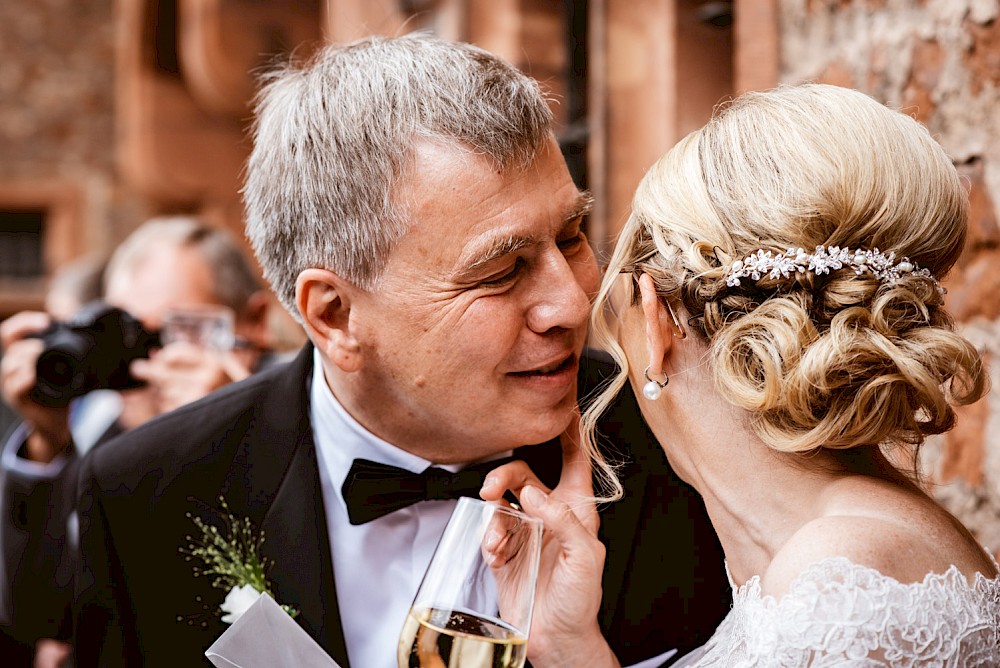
233	558
238	600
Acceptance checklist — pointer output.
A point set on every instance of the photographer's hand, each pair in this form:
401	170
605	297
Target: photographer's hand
183	372
50	433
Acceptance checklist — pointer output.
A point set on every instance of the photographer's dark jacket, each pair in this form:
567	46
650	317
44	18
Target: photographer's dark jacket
38	532
139	603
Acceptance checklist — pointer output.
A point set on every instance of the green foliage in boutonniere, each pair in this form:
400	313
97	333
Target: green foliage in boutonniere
232	557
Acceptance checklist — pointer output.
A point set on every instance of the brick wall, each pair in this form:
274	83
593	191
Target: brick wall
55	84
940	61
57	113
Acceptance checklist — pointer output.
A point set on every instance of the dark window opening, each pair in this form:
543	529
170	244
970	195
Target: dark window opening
575	136
161	24
21	243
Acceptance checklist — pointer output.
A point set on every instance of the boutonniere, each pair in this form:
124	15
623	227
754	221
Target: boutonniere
232	557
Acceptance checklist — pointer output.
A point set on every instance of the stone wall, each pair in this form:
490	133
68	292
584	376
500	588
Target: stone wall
940	61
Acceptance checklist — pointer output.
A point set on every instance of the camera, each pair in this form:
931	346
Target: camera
91	351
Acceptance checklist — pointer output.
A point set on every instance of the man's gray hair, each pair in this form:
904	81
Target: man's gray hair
234	278
333	140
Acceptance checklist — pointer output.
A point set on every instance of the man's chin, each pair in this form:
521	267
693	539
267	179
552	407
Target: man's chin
541	429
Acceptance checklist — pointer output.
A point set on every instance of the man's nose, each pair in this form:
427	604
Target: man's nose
560	300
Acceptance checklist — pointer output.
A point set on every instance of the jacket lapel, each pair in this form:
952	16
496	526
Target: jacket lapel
299	545
632	447
275	478
619	523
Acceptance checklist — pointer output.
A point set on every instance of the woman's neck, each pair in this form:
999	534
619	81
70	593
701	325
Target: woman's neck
757	515
756	497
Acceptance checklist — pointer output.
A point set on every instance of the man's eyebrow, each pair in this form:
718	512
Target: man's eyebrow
584	204
502	246
497	248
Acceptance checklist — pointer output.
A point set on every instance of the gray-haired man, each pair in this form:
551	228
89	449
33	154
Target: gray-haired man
410	207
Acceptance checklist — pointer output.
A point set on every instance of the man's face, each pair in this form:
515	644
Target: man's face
471	341
167	278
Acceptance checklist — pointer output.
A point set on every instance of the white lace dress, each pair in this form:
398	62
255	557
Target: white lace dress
838	613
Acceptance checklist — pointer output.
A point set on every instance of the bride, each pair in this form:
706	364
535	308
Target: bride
781	270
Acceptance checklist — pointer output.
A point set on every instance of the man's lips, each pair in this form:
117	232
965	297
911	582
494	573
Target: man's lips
555	367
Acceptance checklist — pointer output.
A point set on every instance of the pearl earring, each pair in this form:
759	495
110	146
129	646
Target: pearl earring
652	389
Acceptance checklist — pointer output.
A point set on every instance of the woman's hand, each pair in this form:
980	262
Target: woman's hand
564	628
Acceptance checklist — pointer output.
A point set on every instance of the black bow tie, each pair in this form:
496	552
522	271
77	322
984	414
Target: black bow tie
373	490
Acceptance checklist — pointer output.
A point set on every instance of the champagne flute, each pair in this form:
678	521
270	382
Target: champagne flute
473	607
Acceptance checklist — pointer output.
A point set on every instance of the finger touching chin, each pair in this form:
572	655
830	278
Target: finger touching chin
510	477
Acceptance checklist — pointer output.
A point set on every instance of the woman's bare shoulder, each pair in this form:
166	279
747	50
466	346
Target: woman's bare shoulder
900	533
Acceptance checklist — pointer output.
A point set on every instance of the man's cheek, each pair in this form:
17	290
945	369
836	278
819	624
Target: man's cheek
588	276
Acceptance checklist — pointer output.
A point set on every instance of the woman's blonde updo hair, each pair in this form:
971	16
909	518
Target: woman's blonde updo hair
819	361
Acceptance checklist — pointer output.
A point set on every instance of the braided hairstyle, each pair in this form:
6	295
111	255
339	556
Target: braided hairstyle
839	360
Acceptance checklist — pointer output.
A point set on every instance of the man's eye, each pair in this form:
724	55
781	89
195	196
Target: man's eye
572	243
507	276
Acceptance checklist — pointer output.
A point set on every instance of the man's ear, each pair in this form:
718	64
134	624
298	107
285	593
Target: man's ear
324	301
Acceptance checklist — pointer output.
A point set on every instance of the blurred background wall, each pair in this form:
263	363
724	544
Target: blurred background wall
112	111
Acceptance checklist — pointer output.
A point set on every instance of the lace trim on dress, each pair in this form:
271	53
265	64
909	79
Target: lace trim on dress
838	613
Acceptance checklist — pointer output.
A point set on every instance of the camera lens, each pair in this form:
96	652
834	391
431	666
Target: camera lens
59	377
57	368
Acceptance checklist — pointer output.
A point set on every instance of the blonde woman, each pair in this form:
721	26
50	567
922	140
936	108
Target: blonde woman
782	271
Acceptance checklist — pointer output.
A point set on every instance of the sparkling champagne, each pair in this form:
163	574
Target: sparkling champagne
434	638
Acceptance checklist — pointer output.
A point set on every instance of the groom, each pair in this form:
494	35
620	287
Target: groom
408	203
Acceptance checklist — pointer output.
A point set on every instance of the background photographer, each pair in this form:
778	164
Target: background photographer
166	268
71	287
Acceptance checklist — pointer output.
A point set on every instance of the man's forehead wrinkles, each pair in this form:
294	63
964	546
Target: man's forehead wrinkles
451	199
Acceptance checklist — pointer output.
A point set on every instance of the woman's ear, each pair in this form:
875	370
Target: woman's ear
324	300
658	324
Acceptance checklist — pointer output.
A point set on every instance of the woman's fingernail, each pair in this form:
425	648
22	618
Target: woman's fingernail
489	482
533	496
491	539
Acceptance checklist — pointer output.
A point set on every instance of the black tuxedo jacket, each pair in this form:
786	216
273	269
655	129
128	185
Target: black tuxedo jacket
138	602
